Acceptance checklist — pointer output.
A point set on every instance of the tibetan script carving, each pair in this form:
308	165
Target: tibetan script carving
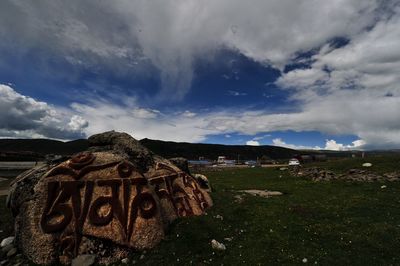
112	200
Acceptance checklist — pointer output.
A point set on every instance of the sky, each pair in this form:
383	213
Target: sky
302	74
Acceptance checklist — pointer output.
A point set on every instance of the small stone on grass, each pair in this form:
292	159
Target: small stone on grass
11	252
7	248
84	260
217	245
7	241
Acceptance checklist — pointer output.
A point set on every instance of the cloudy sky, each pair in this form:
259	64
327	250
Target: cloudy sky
300	74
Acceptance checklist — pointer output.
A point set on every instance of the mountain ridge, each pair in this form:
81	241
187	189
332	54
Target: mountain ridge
169	149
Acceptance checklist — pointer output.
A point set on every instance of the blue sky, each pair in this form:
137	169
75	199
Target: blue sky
292	74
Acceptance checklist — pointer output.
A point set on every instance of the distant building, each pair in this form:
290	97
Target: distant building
266	160
319	157
311	158
230	162
224	160
250	162
304	158
221	159
199	162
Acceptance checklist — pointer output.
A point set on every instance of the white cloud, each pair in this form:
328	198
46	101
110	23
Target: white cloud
373	119
25	117
172	35
104	115
144	113
77	123
329	145
333	145
252	143
188	113
353	89
262	137
279	142
236	93
302	78
344	91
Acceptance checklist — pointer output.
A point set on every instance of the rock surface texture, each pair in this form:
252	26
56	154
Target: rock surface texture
319	174
115	197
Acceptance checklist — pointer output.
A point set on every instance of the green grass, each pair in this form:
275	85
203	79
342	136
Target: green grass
380	164
328	223
6	220
5	184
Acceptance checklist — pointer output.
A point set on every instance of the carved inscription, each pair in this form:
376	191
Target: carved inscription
73	205
179	195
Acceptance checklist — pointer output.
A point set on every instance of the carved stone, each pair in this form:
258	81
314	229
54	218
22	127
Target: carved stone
117	194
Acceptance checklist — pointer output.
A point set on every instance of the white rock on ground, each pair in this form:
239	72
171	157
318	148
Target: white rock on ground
262	193
7	241
219	217
84	260
217	246
11	252
367	164
238	198
7	248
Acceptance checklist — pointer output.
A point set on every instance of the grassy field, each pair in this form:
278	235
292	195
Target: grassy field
322	223
380	164
6	221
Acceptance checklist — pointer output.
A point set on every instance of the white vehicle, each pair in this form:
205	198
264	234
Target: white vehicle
221	159
294	162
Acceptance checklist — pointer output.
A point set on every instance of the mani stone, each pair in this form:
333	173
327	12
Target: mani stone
117	195
181	163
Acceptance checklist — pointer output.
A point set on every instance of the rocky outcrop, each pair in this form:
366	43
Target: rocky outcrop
316	174
124	145
181	163
113	198
203	182
262	193
320	174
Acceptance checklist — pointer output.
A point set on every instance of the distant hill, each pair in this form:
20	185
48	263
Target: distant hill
166	149
25	149
193	151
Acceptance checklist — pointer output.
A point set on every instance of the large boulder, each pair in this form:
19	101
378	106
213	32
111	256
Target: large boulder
112	198
181	163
